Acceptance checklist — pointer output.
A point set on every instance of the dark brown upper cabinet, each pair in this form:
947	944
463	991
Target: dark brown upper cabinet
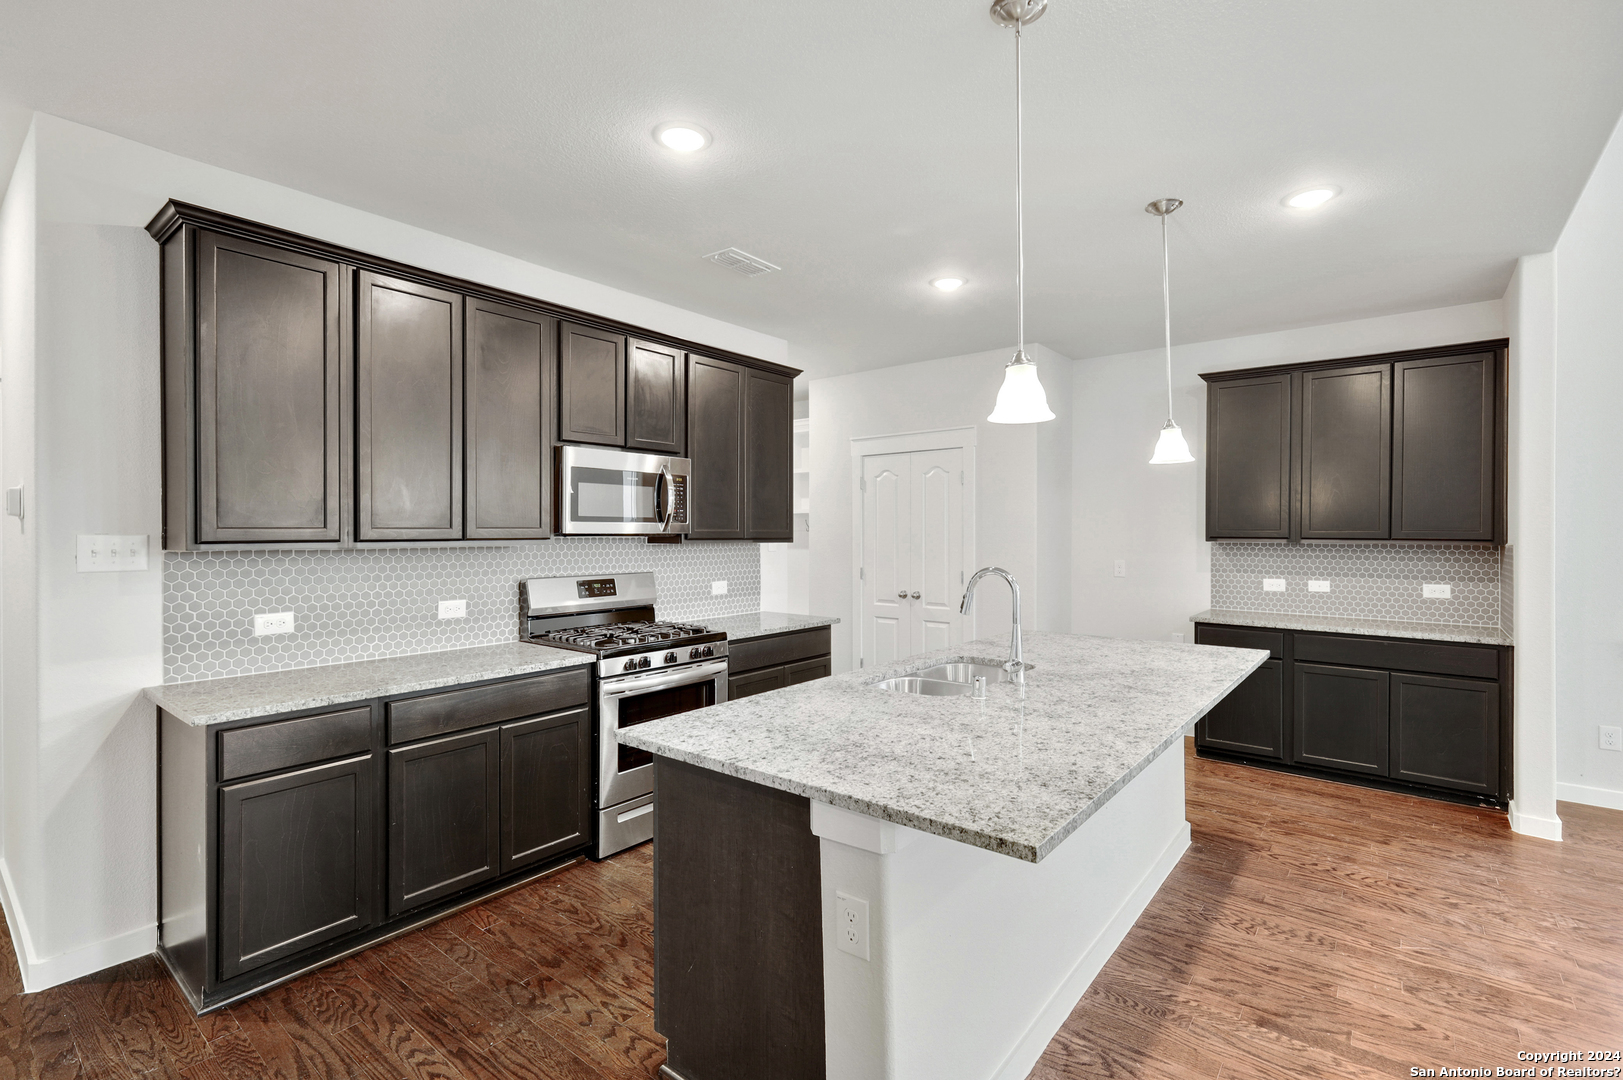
591	385
1444	448
408	410
1346	470
510	380
716	449
656	398
1248	457
768	456
255	420
1401	446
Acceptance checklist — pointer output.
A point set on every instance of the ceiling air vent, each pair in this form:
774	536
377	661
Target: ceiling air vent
740	262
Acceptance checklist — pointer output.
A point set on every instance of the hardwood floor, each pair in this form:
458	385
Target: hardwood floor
1313	930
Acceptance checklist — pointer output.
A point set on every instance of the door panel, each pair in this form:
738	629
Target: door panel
408	411
887	558
443	817
938	547
1341	718
715	449
1251	720
1248	458
1443	461
591	385
546	787
656	399
1347	453
1446	732
757	682
509	388
768	456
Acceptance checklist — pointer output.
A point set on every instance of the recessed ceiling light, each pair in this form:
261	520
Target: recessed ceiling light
947	284
1311	198
682	137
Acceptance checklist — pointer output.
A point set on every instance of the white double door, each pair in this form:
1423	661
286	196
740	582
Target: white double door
912	553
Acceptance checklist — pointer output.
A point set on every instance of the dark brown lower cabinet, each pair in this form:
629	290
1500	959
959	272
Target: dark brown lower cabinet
1446	732
444	801
1429	717
1341	718
756	682
757	665
807	670
295	862
546	787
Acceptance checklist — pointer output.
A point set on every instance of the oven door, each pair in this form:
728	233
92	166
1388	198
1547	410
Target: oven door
603	492
624	772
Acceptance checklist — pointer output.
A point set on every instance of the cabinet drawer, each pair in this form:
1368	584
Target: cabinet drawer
1424	656
1235	638
458	710
289	743
807	670
781	649
757	682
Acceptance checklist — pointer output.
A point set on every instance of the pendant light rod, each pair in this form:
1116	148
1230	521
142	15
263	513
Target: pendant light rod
1019	207
1163	208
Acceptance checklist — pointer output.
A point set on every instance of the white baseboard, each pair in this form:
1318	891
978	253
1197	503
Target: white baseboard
1590	796
42	973
1545	828
1023	1058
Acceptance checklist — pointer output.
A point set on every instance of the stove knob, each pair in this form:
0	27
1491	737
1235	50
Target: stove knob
708	651
670	658
694	653
642	661
631	665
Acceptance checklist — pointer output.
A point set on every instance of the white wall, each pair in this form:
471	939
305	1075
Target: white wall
1588	497
79	345
1153	516
1021	480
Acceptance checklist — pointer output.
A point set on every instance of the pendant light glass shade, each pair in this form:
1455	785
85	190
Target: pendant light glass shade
1171	448
1021	399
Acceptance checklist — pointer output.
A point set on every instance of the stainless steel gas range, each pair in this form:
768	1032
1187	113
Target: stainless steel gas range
645	670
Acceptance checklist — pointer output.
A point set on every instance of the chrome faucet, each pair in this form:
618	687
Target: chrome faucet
1016	665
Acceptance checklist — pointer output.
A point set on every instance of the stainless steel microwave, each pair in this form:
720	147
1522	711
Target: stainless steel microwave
608	492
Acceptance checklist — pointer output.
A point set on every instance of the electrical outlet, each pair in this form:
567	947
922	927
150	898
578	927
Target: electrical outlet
279	623
453	609
1273	584
1611	738
1437	592
1318	586
108	554
1178	638
851	924
1121	568
718	588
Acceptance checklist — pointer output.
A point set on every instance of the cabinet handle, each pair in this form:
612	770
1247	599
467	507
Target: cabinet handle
915	596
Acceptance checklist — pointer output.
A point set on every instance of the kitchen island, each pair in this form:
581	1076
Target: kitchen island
854	882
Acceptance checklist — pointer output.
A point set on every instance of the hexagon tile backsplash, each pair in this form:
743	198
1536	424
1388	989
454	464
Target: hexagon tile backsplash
1367	581
362	605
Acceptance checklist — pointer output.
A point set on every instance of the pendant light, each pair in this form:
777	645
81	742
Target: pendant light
1171	448
1021	399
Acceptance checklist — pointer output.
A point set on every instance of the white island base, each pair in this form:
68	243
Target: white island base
975	959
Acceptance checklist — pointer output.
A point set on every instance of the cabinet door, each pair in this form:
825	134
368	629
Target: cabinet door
716	449
1443	458
656	399
1446	732
807	670
272	390
1248	457
408	412
756	682
444	804
768	456
546	787
1341	718
1346	470
591	385
295	862
1251	720
510	383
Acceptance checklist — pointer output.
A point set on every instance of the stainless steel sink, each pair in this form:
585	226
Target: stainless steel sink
964	673
927	687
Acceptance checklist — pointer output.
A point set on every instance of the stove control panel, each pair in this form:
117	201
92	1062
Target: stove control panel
664	657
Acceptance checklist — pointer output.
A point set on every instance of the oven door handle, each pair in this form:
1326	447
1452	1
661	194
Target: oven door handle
620	686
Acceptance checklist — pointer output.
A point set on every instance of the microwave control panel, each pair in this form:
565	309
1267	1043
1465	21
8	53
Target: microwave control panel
679	498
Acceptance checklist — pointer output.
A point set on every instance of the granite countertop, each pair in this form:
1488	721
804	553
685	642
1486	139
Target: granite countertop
1334	624
1016	772
756	624
241	697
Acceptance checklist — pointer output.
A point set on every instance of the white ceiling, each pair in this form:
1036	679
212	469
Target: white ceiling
867	148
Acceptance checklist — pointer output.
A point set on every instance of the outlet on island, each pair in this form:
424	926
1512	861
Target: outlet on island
851	924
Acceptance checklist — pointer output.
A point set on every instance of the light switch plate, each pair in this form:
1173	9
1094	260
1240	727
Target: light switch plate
280	622
1121	568
1318	586
453	609
851	924
100	554
1437	592
1611	738
1273	584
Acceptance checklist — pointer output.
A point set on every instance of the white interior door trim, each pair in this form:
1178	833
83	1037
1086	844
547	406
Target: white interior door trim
962	438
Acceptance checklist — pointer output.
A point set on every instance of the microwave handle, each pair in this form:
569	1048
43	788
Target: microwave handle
666	502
